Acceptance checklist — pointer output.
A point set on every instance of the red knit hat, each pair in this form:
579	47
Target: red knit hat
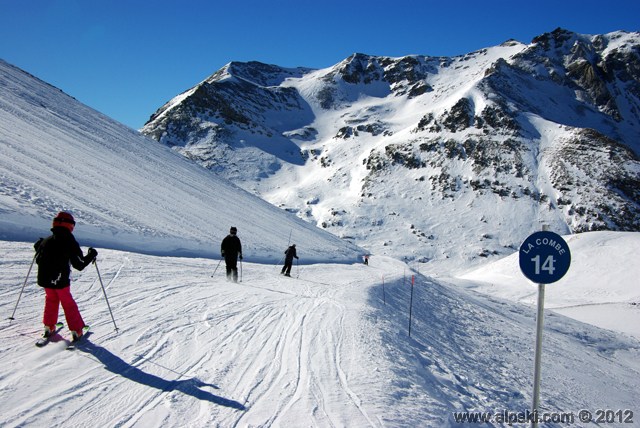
64	219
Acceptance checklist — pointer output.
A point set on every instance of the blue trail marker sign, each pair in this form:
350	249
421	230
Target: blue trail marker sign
544	257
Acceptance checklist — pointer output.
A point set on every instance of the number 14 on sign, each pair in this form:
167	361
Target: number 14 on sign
547	265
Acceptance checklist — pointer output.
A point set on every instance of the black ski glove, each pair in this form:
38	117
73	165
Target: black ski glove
91	255
36	246
240	256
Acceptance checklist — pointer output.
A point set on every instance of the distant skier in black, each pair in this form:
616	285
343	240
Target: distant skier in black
231	250
366	259
290	253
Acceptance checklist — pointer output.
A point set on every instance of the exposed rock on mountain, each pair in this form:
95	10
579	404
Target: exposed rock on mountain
425	156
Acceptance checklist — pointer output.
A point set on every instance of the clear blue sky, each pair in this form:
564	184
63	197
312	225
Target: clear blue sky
126	58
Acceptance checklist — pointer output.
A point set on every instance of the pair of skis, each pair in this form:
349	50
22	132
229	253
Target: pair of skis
71	346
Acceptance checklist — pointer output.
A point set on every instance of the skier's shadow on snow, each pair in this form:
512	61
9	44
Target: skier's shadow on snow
192	387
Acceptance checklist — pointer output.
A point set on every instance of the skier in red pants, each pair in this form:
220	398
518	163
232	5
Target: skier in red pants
55	255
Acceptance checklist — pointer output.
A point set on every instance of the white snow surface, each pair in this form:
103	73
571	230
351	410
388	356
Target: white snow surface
329	347
126	191
601	286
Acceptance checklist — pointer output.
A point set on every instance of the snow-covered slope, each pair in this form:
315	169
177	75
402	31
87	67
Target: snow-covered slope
330	348
125	190
594	290
446	162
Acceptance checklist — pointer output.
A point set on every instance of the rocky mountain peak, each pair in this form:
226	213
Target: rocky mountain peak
518	134
261	74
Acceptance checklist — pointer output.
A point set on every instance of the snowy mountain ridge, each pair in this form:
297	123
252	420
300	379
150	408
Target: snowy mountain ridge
329	347
125	190
395	153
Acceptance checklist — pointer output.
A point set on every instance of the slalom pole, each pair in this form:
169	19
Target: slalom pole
105	295
23	285
216	269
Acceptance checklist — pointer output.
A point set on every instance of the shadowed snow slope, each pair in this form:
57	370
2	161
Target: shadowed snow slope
125	190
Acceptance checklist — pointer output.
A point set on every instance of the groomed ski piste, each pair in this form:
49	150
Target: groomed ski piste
328	347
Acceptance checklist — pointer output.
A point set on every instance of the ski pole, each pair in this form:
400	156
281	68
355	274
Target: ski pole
216	269
105	295
298	267
23	285
240	270
280	261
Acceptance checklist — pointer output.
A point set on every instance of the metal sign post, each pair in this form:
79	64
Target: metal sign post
544	259
538	357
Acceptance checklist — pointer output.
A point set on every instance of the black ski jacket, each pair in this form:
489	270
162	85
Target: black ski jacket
290	254
231	247
55	255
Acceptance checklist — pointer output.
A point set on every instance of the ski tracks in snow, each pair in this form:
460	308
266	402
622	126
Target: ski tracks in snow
287	353
325	350
200	351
